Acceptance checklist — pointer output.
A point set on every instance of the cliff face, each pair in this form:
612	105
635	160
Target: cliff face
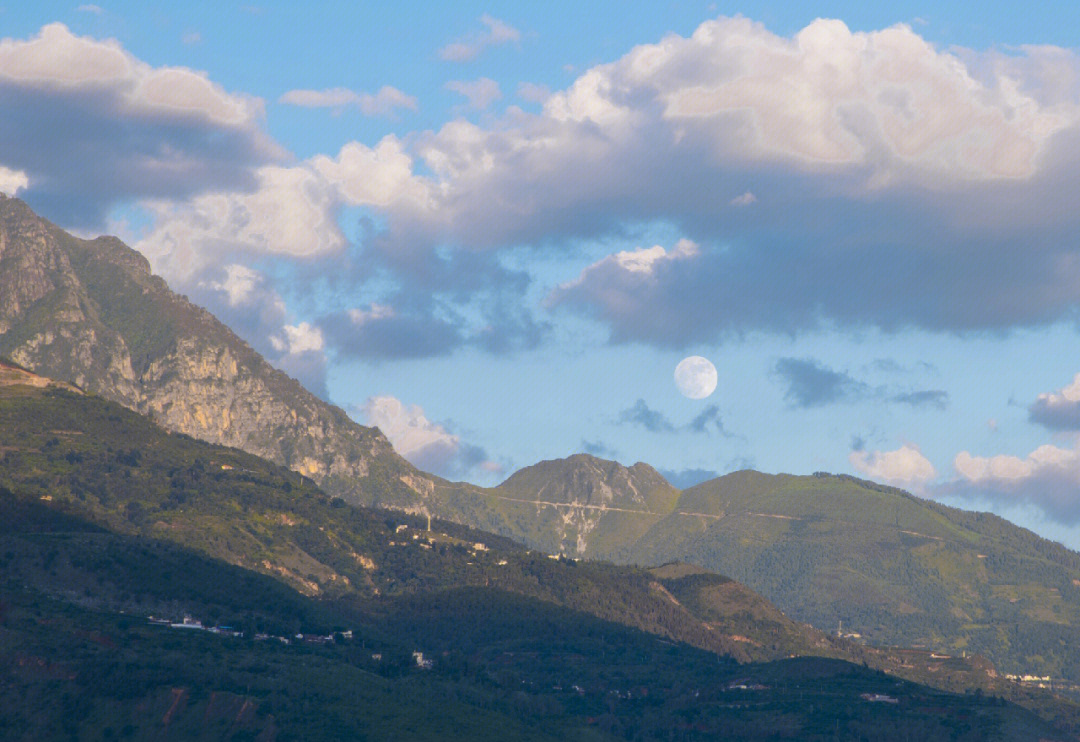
90	312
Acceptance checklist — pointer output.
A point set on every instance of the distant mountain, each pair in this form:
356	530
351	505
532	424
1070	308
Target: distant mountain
94	460
829	550
892	567
105	518
89	312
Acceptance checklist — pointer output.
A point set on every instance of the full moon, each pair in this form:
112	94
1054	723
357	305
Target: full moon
695	377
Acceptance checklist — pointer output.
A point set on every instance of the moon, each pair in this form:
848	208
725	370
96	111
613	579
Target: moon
695	377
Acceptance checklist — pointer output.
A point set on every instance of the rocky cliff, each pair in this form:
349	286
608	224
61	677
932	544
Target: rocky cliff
90	312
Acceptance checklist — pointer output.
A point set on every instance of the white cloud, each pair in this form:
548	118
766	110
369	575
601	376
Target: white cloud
480	93
828	114
869	154
97	125
12	181
425	444
291	213
532	92
1058	410
631	265
383	103
192	37
906	466
620	281
1011	470
58	60
1048	478
298	339
88	8
239	285
376	176
469	48
744	200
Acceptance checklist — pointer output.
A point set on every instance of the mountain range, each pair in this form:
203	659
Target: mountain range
895	569
107	520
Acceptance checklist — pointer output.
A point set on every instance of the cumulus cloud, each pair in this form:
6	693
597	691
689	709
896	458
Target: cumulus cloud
1048	477
468	48
297	339
811	384
896	184
12	181
905	467
292	211
533	92
648	418
383	103
619	287
1058	410
89	124
425	444
300	353
480	93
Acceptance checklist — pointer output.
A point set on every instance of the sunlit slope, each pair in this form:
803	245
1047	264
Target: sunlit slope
889	565
830	550
90	312
100	462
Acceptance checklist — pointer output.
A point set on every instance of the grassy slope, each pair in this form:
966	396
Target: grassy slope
116	468
506	666
96	461
899	569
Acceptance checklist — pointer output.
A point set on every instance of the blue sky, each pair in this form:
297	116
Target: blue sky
494	230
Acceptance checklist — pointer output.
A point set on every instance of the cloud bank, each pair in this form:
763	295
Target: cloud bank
425	444
90	125
904	467
830	178
1048	477
1058	410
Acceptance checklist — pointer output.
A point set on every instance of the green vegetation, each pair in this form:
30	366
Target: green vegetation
105	519
893	568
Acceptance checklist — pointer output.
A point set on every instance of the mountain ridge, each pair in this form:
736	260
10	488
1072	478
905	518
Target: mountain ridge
90	312
897	569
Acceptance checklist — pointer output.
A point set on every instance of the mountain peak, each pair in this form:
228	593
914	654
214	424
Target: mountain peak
588	480
90	312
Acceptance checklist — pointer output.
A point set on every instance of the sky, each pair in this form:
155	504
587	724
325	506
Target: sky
495	230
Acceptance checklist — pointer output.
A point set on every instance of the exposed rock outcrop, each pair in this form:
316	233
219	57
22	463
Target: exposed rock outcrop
90	312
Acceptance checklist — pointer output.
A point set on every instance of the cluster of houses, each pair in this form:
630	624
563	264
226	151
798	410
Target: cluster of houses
193	624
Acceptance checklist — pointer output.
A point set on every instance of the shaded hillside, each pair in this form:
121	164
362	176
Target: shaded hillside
89	312
894	568
102	511
503	668
99	463
103	463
